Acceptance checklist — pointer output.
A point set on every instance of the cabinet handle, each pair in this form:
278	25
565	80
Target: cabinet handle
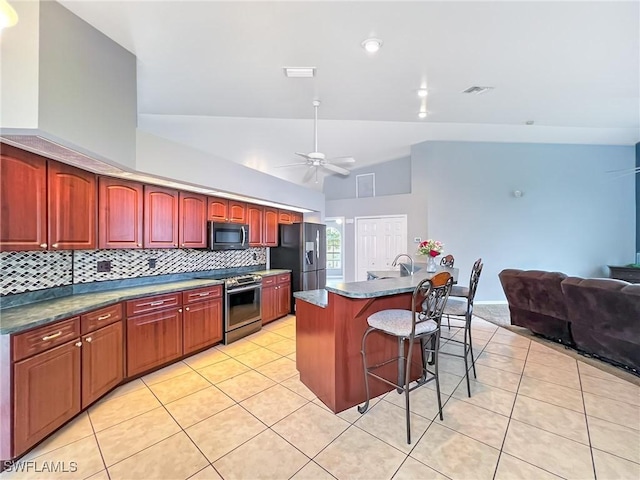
187	309
52	336
55	245
88	339
78	344
104	317
204	294
175	244
43	245
180	310
155	304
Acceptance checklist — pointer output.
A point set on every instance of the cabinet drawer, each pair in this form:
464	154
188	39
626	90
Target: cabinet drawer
152	304
201	294
44	338
268	281
284	278
99	318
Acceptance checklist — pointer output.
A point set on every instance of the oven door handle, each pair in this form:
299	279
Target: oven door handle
244	289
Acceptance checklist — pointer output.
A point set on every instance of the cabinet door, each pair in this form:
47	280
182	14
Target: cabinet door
153	339
102	366
160	217
193	220
296	217
237	212
218	209
202	325
255	214
283	300
270	225
268	304
72	203
23	197
120	208
285	216
46	393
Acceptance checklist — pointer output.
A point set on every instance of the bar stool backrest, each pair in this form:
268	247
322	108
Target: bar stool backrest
447	261
429	299
473	281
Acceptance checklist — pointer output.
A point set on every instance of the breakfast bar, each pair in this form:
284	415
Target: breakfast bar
329	328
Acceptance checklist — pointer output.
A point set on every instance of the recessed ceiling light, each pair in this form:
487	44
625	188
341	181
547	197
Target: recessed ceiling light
422	92
372	45
529	122
299	72
422	115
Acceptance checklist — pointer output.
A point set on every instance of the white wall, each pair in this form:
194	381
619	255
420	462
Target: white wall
573	217
156	155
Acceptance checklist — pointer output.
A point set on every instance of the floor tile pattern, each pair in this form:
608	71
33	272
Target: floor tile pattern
239	411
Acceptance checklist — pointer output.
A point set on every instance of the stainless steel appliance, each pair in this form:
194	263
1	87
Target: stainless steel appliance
302	250
242	315
227	236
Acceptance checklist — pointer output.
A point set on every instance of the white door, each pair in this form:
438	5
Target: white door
378	241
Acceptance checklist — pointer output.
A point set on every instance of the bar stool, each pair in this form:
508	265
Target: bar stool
447	261
460	305
421	323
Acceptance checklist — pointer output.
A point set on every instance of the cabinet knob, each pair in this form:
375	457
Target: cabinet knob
179	310
187	309
139	244
175	244
43	245
88	339
183	244
55	245
78	344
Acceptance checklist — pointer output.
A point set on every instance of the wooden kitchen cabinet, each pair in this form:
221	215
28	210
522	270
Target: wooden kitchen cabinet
46	393
23	193
270	227
160	217
224	210
102	362
120	210
237	211
202	318
155	337
255	221
45	204
288	217
276	297
71	196
193	220
283	295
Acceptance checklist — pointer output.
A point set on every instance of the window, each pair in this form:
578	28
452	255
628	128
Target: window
334	249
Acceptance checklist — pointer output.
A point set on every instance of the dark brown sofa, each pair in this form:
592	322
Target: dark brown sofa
536	302
605	318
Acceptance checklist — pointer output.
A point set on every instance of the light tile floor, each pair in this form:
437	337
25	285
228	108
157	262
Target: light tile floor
241	412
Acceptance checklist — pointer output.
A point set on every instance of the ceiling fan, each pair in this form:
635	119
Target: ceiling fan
315	160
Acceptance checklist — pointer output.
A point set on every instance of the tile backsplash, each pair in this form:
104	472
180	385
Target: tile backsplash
30	271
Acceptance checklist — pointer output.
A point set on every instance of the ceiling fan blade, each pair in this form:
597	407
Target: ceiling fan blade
291	164
303	155
309	174
335	168
342	160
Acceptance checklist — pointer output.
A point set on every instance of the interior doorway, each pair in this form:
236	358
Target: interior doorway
335	248
378	241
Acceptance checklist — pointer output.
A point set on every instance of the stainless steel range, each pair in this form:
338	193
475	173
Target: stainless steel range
242	306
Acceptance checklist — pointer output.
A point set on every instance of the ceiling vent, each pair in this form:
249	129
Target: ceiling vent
477	90
300	72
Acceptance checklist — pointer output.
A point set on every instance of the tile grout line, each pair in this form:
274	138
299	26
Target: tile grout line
586	421
95	436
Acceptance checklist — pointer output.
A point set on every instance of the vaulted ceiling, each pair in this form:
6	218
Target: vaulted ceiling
210	74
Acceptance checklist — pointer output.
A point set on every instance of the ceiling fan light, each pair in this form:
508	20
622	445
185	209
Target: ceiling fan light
422	115
372	45
422	93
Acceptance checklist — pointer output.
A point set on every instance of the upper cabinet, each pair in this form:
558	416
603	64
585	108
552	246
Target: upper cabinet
23	193
45	204
223	210
254	217
270	227
193	220
120	213
160	217
289	217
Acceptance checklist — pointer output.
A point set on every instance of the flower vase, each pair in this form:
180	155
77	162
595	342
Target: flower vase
431	264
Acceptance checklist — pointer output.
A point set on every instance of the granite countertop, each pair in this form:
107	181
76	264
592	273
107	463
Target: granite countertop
315	297
272	271
386	286
18	319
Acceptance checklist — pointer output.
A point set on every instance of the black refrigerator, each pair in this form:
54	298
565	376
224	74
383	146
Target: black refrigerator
302	249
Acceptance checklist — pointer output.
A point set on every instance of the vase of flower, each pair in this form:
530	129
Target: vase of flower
431	248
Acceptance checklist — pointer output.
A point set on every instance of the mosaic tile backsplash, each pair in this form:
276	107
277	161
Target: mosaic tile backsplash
30	271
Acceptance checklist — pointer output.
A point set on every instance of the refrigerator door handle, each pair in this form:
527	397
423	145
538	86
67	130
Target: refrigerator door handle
318	244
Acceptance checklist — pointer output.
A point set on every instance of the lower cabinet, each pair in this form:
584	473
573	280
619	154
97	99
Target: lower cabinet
202	319
153	339
283	305
268	301
276	297
46	393
102	362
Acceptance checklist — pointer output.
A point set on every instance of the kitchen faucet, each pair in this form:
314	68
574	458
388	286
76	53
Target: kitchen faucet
402	265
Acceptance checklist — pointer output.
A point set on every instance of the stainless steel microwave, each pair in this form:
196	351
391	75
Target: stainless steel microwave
227	236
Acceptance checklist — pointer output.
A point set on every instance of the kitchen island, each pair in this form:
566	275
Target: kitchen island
329	328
